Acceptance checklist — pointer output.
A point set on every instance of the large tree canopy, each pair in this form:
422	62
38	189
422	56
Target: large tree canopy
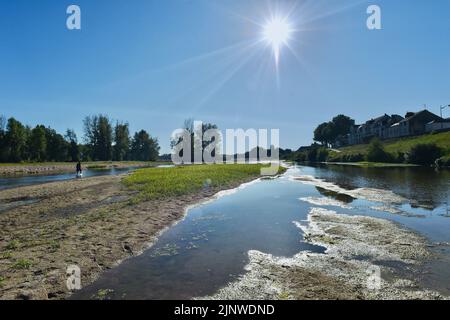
144	147
328	132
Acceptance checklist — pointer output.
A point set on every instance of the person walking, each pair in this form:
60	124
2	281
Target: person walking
79	169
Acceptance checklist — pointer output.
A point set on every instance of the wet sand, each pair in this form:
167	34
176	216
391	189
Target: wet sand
89	222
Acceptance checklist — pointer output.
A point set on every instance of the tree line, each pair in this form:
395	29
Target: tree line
103	140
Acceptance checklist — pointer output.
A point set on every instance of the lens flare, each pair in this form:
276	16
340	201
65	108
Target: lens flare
277	33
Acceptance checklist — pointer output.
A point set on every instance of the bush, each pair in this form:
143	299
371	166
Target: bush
356	157
300	157
424	154
376	152
400	158
312	155
322	155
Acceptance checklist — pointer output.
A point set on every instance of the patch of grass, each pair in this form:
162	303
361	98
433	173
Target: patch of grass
54	245
6	255
168	250
284	295
157	183
13	245
2	280
22	264
404	145
375	164
102	294
97	166
326	239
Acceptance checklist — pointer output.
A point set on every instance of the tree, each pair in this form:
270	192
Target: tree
328	132
3	144
319	133
57	147
2	123
325	133
73	149
205	143
144	147
16	140
342	125
189	127
425	154
37	144
98	135
122	141
105	139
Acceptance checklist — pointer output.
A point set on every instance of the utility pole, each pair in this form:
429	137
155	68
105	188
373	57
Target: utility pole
442	108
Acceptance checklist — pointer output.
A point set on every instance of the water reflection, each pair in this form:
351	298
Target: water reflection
424	187
12	182
209	248
335	195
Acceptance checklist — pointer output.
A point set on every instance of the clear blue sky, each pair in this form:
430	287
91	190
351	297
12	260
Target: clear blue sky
155	63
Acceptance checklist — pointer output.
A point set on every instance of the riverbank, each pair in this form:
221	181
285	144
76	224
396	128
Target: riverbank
95	223
366	164
358	249
24	169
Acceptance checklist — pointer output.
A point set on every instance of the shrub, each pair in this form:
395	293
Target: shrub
400	158
312	155
23	264
300	157
354	158
424	154
376	152
322	155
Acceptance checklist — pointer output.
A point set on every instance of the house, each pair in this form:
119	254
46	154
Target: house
415	123
438	125
396	126
372	128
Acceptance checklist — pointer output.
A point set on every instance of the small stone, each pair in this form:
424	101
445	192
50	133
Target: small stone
25	295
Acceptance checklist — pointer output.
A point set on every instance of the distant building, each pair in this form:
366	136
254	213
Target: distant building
373	128
394	126
438	125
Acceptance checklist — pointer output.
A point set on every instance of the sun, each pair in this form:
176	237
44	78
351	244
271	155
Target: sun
277	33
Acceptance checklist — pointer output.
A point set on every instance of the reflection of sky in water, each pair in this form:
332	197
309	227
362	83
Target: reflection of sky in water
209	247
429	219
12	182
424	187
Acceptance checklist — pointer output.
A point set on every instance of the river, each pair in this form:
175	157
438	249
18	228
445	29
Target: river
208	249
18	181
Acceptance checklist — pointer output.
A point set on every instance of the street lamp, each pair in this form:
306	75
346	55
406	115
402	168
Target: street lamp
443	107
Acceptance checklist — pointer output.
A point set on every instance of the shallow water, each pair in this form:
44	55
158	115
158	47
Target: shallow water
207	249
12	182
